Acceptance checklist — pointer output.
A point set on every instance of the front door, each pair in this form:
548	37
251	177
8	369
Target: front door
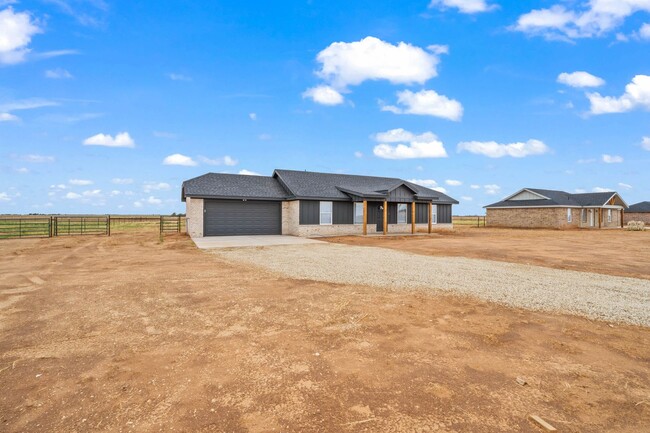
380	219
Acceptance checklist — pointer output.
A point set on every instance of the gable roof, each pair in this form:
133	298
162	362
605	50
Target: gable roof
219	185
331	186
555	198
292	184
643	206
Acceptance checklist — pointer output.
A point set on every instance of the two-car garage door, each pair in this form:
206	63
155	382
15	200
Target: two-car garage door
237	217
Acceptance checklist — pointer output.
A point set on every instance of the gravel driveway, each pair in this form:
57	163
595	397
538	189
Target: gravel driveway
592	295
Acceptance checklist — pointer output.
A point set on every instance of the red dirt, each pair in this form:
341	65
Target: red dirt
130	334
611	252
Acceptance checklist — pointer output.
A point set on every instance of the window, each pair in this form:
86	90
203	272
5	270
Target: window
584	215
326	213
401	213
568	215
434	214
358	213
609	215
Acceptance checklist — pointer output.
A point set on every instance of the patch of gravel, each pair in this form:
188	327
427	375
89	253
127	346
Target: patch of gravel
597	296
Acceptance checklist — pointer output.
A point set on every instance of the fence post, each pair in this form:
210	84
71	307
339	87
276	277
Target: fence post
20	227
108	225
178	229
161	225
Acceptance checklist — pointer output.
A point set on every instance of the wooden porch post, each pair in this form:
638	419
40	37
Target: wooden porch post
430	216
413	218
385	216
622	215
600	216
365	217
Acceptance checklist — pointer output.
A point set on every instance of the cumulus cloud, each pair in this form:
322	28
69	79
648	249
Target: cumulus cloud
466	198
474	186
80	182
179	77
147	187
58	74
452	182
645	143
407	145
464	6
426	103
122	181
179	159
644	31
123	139
493	149
591	18
154	201
637	95
16	31
248	173
72	196
225	160
612	159
4	196
324	95
8	117
492	189
358	154
429	183
92	193
252	116
580	79
600	189
37	159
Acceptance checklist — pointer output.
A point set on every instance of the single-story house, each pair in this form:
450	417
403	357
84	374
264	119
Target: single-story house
544	208
638	212
303	203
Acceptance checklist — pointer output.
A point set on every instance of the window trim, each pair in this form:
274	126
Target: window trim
434	213
609	215
406	213
583	216
569	216
354	214
321	212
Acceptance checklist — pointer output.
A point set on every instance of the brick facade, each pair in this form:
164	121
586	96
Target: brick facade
194	217
552	217
637	216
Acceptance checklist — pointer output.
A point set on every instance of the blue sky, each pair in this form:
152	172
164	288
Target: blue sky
106	107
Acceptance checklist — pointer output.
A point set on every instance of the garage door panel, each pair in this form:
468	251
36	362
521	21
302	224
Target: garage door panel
236	217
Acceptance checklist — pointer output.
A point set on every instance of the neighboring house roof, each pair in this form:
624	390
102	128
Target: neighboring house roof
331	186
555	198
219	185
644	206
291	184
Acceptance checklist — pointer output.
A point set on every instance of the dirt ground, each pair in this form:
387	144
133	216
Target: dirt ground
612	252
130	334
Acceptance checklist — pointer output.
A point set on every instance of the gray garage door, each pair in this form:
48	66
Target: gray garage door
236	217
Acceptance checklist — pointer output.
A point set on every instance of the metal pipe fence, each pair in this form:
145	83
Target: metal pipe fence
469	221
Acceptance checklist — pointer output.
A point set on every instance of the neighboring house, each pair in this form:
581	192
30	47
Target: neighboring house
638	212
303	203
543	208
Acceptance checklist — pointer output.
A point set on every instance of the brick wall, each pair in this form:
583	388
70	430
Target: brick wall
194	217
550	218
636	216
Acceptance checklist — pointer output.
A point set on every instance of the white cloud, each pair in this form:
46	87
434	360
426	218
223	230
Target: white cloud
452	182
637	95
137	204
600	189
426	145
225	160
464	6
155	186
179	77
178	159
37	159
466	198
92	193
625	185
264	137
324	95
438	49
122	181
580	190
475	186
165	134
645	143
80	182
123	139
22	170
493	149
154	201
349	64
427	183
115	193
644	31
492	189
252	116
580	79
358	154
248	173
72	196
586	160
16	31
58	187
426	103
58	74
591	18
26	104
612	159
4	196
8	117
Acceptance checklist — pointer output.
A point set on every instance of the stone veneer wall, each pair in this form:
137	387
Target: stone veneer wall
194	217
552	217
636	216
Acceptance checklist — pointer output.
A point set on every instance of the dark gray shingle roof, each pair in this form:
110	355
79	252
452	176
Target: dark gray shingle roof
643	206
308	184
219	185
558	198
